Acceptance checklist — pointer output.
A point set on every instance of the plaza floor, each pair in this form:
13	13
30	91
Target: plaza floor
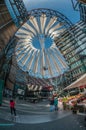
38	117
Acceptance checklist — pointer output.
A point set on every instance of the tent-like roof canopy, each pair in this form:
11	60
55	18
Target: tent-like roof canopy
79	82
36	51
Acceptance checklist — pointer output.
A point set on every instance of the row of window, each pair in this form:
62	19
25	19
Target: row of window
83	12
72	51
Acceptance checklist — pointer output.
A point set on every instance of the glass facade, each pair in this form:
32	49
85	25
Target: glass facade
7	26
82	7
13	12
74	49
17	10
7	31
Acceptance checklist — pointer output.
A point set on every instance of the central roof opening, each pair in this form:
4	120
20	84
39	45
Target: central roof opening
37	41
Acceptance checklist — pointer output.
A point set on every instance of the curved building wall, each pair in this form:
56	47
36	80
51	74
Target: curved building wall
12	13
7	31
7	26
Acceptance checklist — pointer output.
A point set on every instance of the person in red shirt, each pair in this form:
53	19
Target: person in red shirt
12	107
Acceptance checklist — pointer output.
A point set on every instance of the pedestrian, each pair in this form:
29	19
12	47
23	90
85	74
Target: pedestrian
12	107
56	103
52	105
60	103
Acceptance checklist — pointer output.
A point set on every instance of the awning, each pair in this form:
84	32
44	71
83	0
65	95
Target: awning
34	87
48	88
79	82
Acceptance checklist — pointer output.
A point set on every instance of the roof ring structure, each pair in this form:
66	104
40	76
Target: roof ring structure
36	51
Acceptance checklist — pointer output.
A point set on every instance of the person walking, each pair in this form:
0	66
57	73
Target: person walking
12	107
52	105
56	103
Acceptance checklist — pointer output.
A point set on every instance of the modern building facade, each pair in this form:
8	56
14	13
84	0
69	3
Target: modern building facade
8	27
82	7
74	48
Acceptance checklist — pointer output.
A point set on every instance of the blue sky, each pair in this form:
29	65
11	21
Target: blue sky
63	6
